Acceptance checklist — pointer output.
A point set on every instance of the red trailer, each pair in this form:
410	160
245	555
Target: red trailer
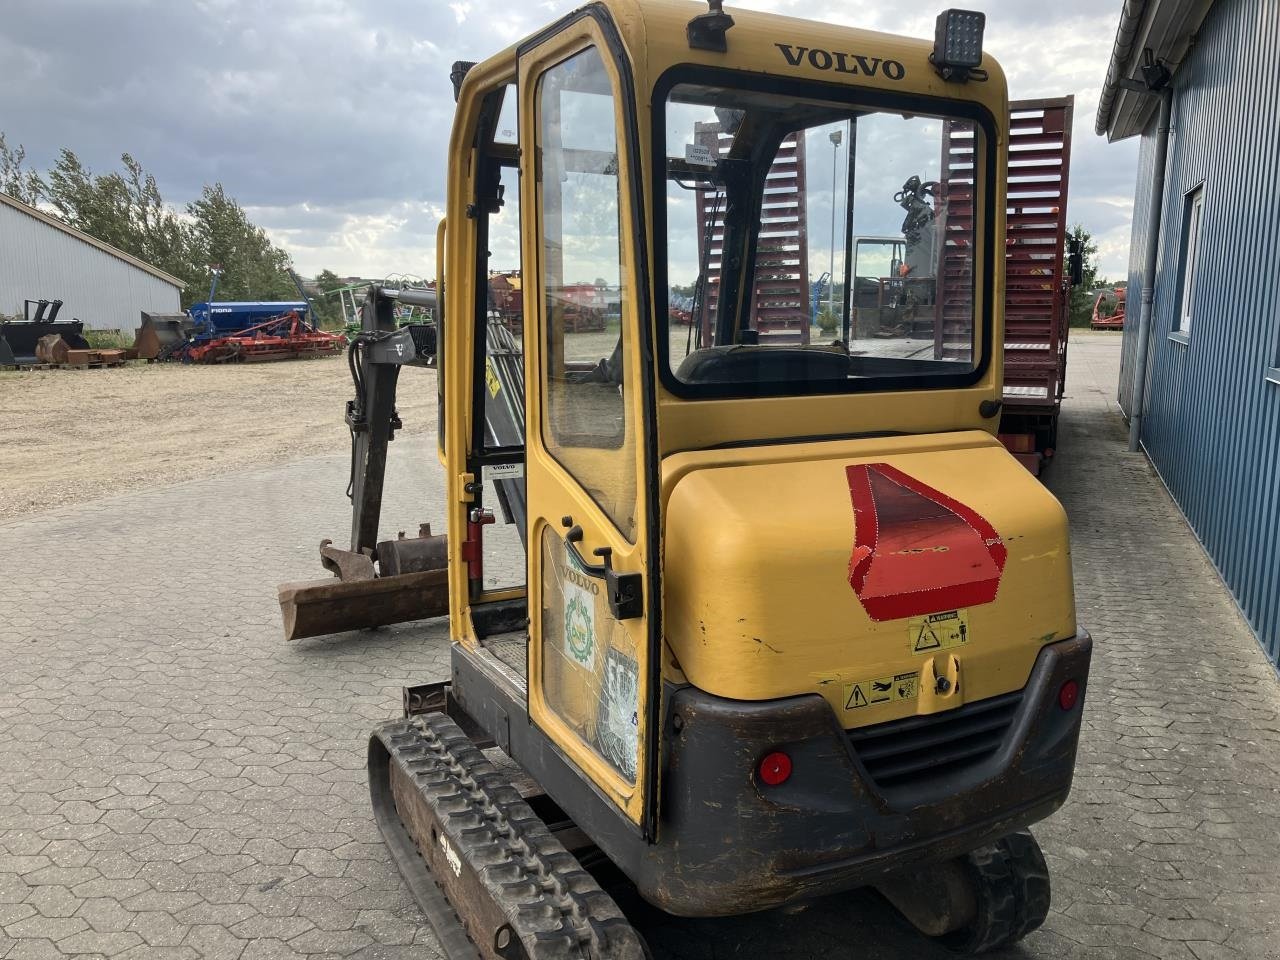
780	309
1036	286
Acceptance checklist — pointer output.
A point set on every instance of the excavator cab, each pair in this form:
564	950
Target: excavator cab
788	620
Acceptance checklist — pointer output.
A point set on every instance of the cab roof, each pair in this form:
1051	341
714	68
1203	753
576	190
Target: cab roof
653	34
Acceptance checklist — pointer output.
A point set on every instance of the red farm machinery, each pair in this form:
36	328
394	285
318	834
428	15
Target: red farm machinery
235	332
1108	310
288	336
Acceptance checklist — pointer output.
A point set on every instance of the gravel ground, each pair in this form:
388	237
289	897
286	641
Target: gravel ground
70	436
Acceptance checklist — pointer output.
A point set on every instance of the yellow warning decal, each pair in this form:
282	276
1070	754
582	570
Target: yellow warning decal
938	631
866	693
491	379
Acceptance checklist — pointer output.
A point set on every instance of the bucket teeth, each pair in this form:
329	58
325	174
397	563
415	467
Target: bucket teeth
502	870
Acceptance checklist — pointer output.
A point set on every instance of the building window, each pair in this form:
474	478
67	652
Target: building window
1192	219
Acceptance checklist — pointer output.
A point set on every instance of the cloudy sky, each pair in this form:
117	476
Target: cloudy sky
329	119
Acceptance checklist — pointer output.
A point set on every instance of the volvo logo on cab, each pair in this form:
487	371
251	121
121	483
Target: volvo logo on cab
851	63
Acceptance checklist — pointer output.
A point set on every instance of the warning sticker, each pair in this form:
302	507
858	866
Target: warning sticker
865	693
938	631
491	379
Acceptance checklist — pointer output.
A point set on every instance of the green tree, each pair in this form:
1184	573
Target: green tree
98	205
329	308
327	281
16	179
221	233
1080	306
125	210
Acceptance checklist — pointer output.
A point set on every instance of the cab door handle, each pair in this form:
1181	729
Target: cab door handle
624	591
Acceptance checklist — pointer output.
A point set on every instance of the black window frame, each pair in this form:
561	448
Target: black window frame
853	97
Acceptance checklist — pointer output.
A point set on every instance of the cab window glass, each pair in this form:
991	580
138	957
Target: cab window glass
816	243
586	421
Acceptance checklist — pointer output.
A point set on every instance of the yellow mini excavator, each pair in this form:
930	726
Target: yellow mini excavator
789	620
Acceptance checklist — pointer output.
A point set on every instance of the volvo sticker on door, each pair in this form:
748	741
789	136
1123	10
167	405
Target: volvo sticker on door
837	61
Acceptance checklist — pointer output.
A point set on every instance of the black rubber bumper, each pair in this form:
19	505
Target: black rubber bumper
729	844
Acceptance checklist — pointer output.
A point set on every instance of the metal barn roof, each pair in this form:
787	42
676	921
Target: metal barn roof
1168	27
93	242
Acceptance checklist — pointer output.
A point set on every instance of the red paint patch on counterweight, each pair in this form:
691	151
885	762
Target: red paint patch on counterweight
916	550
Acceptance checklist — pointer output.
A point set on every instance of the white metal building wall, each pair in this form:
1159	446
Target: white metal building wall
40	261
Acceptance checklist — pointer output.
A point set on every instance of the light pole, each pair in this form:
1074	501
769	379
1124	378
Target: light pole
836	137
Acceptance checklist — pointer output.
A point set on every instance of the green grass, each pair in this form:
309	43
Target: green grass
107	340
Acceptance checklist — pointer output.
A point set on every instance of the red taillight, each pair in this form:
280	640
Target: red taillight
1069	694
775	768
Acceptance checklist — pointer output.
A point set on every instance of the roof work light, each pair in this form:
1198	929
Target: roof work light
957	44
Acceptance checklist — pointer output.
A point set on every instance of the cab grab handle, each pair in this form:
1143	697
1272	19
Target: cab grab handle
624	591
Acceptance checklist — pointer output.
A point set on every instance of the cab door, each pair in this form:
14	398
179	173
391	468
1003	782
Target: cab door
588	543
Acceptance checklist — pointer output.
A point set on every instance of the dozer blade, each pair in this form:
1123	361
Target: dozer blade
492	879
314	608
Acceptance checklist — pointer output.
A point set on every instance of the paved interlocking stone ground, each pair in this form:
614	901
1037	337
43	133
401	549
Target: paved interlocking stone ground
175	781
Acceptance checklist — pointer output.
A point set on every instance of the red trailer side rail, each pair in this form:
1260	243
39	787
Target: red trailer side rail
780	297
1036	288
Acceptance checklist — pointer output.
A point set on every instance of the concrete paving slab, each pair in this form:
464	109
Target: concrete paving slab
177	781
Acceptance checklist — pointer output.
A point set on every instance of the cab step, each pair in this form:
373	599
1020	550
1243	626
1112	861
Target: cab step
492	878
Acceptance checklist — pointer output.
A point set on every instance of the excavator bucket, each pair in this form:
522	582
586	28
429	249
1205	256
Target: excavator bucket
161	335
22	337
410	582
51	349
314	608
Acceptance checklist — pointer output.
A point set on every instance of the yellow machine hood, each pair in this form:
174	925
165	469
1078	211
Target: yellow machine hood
893	576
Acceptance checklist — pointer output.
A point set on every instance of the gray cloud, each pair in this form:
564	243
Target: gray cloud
330	119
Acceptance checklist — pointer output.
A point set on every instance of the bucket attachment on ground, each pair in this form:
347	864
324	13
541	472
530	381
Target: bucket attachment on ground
22	337
161	335
52	349
55	351
410	582
314	608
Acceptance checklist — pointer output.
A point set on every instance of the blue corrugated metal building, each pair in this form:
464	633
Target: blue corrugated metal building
1206	408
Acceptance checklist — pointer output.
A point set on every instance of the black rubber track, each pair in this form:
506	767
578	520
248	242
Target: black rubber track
545	899
1031	882
997	904
444	921
1011	887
